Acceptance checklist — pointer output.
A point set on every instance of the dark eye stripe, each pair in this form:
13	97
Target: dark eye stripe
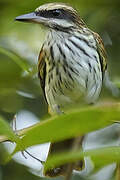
58	14
49	14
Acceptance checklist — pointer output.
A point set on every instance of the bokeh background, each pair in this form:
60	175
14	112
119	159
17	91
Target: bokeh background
19	47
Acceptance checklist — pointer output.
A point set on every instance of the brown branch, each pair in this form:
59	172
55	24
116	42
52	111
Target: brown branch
118	172
3	139
19	133
77	144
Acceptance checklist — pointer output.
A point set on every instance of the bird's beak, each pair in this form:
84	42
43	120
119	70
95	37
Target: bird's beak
31	17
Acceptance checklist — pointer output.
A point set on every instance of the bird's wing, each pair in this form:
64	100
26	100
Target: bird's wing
42	70
101	52
103	60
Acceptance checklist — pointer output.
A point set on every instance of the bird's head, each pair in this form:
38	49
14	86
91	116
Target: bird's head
58	16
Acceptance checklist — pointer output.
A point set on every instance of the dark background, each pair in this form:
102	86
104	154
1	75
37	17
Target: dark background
23	41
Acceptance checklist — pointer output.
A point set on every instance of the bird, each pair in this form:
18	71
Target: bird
72	64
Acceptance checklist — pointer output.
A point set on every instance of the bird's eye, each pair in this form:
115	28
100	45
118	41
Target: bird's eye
56	12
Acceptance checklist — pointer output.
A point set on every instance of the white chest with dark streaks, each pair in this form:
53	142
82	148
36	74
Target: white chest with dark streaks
73	68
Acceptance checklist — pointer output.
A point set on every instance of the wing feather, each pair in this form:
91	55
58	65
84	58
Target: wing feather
101	52
42	70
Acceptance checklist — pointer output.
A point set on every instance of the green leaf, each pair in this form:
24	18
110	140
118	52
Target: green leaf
6	134
62	158
70	125
16	59
6	131
100	157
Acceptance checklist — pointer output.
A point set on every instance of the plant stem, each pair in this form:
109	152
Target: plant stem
118	172
76	145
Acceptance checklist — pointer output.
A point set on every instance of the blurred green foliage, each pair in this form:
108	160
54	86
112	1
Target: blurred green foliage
94	117
19	47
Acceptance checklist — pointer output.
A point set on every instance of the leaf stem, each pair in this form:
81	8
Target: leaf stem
118	172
